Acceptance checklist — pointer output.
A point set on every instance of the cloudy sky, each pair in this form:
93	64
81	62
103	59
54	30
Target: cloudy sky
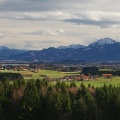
38	24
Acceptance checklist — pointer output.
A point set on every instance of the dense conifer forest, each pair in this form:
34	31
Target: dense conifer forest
39	100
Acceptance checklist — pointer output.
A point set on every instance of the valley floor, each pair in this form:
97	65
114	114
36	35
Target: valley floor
100	81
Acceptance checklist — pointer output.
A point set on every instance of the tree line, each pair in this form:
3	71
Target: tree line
10	76
96	71
39	100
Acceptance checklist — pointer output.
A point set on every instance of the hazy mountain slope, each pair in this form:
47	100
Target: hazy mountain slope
5	52
102	50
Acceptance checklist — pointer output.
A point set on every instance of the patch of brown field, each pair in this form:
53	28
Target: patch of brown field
25	72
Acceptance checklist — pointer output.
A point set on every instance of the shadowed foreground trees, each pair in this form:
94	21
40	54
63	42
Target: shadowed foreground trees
38	100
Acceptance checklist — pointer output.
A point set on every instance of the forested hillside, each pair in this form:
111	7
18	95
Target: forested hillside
38	100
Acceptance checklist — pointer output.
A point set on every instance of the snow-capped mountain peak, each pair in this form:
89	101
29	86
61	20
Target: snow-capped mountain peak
104	41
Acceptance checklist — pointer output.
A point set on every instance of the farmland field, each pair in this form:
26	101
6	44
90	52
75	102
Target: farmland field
106	70
56	74
41	73
99	82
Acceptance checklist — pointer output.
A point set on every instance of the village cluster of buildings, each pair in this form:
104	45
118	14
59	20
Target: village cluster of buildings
36	68
19	67
83	77
77	78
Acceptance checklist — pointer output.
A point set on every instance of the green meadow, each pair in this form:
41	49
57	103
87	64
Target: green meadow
98	83
56	74
41	73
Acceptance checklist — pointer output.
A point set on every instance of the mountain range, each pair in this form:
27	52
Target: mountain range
105	49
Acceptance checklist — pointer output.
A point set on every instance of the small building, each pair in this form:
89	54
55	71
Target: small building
84	77
107	75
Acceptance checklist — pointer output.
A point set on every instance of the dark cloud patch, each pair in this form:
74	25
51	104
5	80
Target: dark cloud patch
54	10
102	24
24	6
38	5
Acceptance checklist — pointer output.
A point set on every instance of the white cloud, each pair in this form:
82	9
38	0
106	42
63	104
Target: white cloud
69	21
44	33
37	16
61	31
47	32
2	35
50	41
39	44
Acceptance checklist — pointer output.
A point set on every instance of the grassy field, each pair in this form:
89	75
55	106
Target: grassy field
55	74
106	70
31	75
97	83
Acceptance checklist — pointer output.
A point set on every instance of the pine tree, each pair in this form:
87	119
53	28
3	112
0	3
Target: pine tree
79	110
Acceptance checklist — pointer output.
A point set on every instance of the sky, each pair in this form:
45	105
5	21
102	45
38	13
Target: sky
39	24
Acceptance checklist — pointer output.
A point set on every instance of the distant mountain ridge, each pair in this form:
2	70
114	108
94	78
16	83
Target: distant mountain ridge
6	53
74	46
102	50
